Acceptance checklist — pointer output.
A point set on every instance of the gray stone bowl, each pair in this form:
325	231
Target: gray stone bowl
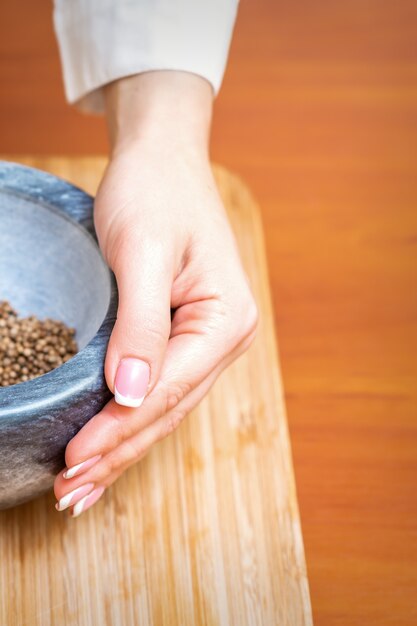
50	266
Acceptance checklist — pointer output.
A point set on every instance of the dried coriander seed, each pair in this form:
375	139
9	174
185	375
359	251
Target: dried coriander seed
30	347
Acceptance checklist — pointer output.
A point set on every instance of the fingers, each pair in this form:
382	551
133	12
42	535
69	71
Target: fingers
204	343
138	342
205	338
136	447
203	334
112	425
103	474
128	452
131	450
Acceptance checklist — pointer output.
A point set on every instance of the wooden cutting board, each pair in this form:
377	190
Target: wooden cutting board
205	530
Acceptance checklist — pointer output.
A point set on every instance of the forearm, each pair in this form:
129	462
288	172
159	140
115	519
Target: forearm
169	109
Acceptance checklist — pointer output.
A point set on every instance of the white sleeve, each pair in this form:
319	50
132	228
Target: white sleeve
103	40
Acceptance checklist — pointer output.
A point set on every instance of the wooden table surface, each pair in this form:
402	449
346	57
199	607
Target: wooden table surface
318	115
204	530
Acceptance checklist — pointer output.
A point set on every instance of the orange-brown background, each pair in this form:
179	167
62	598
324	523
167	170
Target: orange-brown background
318	113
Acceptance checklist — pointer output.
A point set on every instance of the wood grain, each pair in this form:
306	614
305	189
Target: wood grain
205	530
318	115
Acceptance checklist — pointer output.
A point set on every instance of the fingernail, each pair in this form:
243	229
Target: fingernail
81	467
131	382
85	503
73	496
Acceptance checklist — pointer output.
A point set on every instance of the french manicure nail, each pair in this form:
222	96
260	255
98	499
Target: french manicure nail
73	496
85	503
132	379
81	467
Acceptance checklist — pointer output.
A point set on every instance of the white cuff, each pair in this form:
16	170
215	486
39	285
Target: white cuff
103	40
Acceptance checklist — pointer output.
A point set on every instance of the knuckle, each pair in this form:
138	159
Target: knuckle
174	394
117	423
126	454
133	450
246	343
173	420
108	465
252	317
248	319
156	331
146	334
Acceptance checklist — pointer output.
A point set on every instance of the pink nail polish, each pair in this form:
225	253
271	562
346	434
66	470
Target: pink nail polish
132	379
73	496
81	467
86	502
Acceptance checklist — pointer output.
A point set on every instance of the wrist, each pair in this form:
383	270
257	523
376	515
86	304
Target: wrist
163	109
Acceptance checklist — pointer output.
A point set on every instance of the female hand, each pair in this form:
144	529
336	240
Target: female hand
164	232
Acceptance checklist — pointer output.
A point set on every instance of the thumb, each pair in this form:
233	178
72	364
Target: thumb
139	339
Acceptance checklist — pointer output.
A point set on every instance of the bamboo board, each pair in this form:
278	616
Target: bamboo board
205	530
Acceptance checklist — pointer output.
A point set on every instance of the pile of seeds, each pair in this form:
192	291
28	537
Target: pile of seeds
30	347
